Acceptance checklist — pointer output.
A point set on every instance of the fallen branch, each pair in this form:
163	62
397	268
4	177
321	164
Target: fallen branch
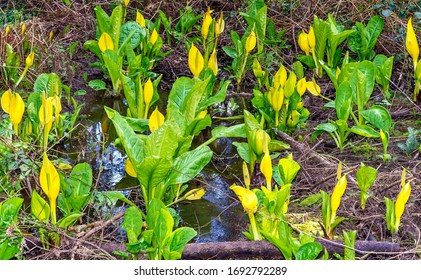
265	250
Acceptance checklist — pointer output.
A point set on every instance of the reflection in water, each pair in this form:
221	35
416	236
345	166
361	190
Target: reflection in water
216	217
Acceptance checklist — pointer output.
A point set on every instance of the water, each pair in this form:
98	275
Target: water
216	217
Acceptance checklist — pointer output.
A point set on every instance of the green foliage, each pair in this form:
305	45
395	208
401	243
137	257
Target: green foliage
75	189
159	240
366	175
349	244
10	236
363	40
413	142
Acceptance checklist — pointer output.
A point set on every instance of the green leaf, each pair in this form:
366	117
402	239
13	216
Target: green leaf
69	219
371	34
163	142
379	117
132	143
152	171
277	146
349	242
114	196
138	125
178	240
243	151
48	83
234	131
288	169
130	95
92	45
362	81
365	131
163	227
343	101
80	181
132	224
33	105
188	165
366	175
113	62
309	251
39	207
217	98
97	85
311	199
103	21
9	210
179	91
116	19
134	31
327	127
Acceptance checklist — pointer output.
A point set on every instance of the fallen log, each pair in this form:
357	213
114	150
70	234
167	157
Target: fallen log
265	250
230	250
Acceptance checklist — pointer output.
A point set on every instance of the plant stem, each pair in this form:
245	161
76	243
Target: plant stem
256	235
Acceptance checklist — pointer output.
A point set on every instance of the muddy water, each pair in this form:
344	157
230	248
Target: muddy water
216	217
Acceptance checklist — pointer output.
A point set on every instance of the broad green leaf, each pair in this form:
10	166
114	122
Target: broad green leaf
362	81
217	98
311	199
378	116
366	175
309	251
365	130
92	45
138	125
152	171
371	34
234	131
39	207
132	224
113	62
321	31
9	210
327	127
8	249
179	91
69	219
154	209
116	19
288	169
188	165
138	33
130	95
113	196
33	105
243	151
349	242
343	101
80	181
132	143
193	98
48	83
163	142
163	227
178	240
97	85
103	20
277	146
198	124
